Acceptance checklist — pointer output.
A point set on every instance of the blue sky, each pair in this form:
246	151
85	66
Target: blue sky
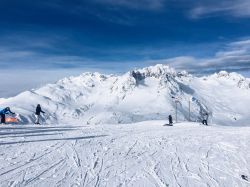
62	37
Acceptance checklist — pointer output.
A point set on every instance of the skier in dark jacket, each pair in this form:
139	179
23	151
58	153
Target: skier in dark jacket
4	112
205	118
38	113
170	119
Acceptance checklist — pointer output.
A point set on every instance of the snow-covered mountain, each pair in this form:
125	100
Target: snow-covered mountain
145	94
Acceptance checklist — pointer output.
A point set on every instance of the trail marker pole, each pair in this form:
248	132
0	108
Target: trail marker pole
176	111
189	103
189	107
176	100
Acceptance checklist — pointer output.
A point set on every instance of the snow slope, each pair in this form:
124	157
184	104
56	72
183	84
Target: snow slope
144	94
142	154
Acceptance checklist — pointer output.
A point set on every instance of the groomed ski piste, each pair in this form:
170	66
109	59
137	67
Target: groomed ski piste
108	130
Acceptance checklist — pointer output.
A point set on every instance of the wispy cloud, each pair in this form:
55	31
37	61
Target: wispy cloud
42	54
234	57
235	8
112	11
22	52
135	4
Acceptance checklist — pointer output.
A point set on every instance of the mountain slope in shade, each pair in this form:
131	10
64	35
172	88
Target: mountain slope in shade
150	93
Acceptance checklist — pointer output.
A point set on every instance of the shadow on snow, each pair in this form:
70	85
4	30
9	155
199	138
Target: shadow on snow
19	132
52	139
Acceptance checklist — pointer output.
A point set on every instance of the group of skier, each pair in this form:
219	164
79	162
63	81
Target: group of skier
204	119
7	110
39	111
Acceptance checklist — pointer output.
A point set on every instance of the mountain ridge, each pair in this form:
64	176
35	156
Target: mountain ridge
149	93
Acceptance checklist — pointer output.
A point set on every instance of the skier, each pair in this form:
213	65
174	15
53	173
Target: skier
205	118
170	119
4	112
38	113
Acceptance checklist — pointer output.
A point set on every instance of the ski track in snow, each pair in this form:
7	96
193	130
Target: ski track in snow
140	154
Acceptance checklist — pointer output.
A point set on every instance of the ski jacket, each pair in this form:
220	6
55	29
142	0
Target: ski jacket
170	119
6	111
205	116
39	110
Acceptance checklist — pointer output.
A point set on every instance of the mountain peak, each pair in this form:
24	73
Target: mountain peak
156	71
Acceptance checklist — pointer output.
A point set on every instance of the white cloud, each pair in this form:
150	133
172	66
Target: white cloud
236	8
235	57
242	43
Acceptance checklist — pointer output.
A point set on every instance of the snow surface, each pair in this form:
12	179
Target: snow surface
140	154
144	94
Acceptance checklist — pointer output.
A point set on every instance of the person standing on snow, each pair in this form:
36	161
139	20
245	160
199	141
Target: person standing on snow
38	113
4	112
170	119
205	118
